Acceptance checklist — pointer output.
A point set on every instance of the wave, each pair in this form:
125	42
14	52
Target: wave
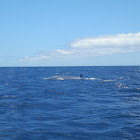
90	78
109	80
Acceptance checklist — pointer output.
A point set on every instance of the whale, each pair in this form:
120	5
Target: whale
68	77
64	77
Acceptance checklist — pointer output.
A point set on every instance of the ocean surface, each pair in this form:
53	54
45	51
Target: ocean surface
53	103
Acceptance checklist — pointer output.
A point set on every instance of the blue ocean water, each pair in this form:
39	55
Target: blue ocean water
104	105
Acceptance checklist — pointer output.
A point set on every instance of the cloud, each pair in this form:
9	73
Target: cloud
96	46
119	40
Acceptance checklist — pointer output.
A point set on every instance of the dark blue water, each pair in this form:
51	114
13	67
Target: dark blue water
103	106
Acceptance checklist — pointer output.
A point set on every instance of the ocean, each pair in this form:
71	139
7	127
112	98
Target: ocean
53	103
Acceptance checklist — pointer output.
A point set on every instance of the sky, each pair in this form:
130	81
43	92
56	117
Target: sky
69	32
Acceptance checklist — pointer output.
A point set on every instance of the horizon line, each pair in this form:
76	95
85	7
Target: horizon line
77	66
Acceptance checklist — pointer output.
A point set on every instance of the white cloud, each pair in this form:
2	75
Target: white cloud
119	40
102	45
